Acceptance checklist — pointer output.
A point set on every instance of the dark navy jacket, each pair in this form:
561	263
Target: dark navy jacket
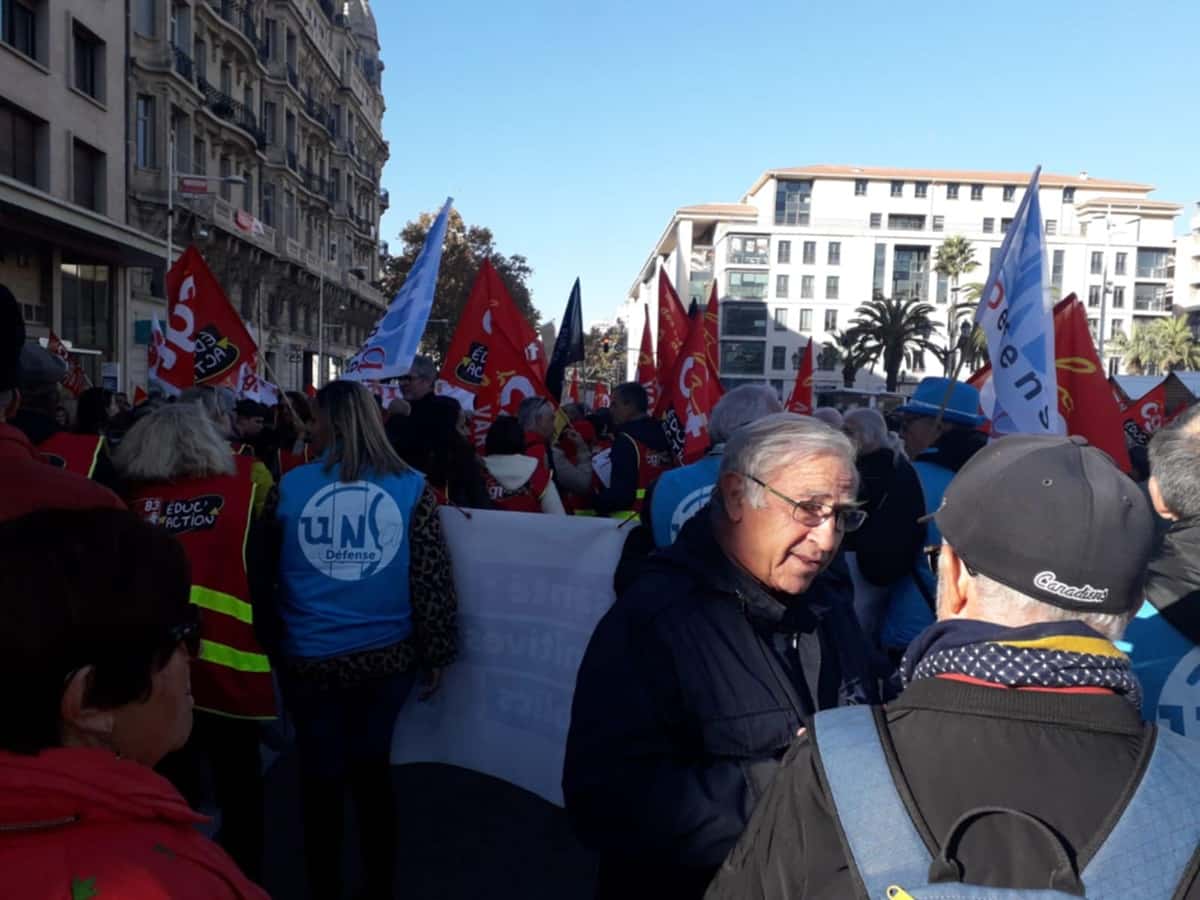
692	687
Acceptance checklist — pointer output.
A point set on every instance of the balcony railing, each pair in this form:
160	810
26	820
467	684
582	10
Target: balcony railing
225	107
184	67
1147	304
238	15
1154	272
293	76
743	258
314	182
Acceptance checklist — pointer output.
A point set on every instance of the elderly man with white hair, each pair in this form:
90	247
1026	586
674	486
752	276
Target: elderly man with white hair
680	493
711	660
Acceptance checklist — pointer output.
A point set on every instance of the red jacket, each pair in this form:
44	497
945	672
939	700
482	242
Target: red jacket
28	483
84	823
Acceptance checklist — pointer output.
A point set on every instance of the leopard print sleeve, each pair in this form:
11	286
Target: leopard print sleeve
431	587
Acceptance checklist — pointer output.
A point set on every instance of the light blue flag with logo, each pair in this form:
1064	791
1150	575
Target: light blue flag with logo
1017	316
392	343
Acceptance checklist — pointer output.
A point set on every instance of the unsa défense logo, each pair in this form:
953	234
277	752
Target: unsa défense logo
350	531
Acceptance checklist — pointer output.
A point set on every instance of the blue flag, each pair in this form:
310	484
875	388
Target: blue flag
568	348
1017	316
392	343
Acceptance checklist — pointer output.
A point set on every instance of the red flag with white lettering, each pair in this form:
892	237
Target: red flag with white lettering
1146	415
694	389
206	340
802	400
74	379
494	354
674	327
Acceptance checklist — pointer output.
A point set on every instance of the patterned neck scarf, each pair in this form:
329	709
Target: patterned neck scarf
1049	655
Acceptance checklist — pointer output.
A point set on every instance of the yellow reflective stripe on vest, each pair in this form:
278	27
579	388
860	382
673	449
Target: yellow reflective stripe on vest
641	493
625	514
223	655
95	457
226	604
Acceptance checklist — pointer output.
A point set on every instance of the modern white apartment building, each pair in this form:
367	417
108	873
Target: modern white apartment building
806	246
1187	274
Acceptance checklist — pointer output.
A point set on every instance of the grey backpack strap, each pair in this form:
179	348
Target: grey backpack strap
1148	852
878	832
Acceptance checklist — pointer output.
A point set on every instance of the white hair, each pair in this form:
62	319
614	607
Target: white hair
828	415
176	441
739	407
1007	606
873	428
761	449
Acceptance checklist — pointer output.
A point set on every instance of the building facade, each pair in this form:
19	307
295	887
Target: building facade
66	249
1187	274
275	110
805	247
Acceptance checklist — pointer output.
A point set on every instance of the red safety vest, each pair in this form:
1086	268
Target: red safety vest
526	498
211	518
651	464
76	453
289	460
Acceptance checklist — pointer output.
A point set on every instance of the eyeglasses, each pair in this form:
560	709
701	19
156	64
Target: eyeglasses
186	633
813	513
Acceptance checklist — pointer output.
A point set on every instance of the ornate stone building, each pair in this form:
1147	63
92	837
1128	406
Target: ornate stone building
277	104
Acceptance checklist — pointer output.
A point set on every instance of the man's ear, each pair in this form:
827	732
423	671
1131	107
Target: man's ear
733	494
954	584
1160	505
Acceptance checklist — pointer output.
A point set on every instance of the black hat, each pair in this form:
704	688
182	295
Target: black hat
1054	519
12	338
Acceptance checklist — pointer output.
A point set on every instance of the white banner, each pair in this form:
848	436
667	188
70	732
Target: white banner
531	589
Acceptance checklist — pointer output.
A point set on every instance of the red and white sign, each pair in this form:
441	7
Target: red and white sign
186	185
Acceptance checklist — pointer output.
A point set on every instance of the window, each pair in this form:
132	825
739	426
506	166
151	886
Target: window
19	28
1068	195
88	169
268	204
781	319
1150	298
781	287
952	191
1118	297
918	360
1122	261
270	37
270	116
201	54
89	62
989	226
831	319
146	158
810	252
784	252
876	220
977	192
1005	224
806	287
835	253
248	192
335	178
743	357
87	306
943	288
1056	270
831	287
904	222
921	188
225	171
748	284
1116	327
792	202
779	357
19	133
200	157
806	320
1010	191
289	214
1051	227
144	18
939	223
1097	263
1094	295
860	187
1154	264
880	264
897	188
1094	327
749	250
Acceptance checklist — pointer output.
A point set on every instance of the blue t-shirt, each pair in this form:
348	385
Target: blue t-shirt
1168	666
679	494
344	567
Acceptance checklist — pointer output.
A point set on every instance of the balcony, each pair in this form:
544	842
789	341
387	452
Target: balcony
749	258
293	76
238	15
184	67
385	200
314	182
1158	272
225	107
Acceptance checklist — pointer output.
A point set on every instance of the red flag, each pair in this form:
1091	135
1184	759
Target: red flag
647	376
710	322
673	328
802	400
1085	398
494	353
206	340
58	348
694	389
601	398
1146	415
139	396
573	390
74	379
310	391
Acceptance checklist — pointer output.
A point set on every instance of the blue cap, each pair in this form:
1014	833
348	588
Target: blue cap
962	402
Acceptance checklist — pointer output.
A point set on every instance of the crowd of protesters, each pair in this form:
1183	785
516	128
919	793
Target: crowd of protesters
173	578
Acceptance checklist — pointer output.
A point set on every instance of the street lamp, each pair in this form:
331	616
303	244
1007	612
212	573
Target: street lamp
171	176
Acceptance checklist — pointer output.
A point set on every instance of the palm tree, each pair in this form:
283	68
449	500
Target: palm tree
1137	350
892	332
955	258
848	345
1176	349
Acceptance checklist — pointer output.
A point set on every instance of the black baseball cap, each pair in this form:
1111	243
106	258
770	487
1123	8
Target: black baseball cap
1053	518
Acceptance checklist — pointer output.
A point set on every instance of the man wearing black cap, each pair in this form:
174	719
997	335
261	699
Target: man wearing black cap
27	482
1016	757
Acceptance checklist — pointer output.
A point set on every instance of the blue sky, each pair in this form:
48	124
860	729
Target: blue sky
574	130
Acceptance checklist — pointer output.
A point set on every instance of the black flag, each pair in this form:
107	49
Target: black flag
568	348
